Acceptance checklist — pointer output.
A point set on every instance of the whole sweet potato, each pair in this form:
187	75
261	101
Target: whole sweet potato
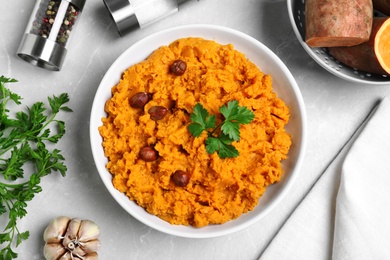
382	6
332	23
363	56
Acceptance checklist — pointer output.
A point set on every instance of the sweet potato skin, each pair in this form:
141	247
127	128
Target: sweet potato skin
382	6
332	23
362	56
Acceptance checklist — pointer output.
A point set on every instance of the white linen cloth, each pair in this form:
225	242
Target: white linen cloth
346	215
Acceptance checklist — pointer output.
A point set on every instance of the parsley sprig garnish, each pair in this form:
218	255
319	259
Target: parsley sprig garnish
220	141
23	143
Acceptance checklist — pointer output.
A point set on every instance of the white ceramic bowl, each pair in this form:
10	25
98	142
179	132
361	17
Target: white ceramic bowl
296	11
284	85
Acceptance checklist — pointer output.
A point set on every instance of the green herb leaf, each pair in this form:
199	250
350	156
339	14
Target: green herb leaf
232	129
21	237
222	147
234	116
201	120
23	141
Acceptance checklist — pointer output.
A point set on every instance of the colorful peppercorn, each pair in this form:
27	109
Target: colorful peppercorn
56	14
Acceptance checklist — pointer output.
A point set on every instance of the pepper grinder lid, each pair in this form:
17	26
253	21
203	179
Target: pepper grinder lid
48	51
123	14
130	14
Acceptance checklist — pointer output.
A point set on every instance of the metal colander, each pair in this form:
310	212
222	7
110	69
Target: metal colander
296	10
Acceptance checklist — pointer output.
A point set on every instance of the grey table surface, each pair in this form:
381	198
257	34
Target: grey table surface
335	108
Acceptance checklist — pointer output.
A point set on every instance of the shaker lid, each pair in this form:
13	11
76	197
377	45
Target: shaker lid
122	13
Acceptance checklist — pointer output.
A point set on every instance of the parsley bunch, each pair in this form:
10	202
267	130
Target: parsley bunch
23	140
230	128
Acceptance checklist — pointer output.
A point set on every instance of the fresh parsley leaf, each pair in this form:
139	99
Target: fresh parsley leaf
201	120
228	151
222	146
232	129
56	103
21	237
23	141
234	115
234	112
225	139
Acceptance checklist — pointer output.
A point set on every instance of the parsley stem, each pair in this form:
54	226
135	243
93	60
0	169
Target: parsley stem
13	186
211	133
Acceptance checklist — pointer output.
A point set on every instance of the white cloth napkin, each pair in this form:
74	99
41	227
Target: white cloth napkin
346	215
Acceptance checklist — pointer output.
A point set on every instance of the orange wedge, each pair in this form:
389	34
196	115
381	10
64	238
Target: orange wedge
372	56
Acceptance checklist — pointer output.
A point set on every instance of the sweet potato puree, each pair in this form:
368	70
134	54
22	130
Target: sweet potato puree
219	190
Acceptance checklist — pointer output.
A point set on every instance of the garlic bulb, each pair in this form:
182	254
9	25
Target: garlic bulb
72	239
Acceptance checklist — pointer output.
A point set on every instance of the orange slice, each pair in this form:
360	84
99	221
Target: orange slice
382	42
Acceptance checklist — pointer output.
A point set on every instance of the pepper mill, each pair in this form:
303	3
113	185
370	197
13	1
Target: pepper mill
48	31
129	14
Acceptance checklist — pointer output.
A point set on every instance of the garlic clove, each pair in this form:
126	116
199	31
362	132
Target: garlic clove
73	228
71	232
56	229
88	231
91	256
53	251
78	251
66	256
90	246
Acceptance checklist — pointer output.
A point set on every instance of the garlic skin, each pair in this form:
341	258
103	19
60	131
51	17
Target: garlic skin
71	239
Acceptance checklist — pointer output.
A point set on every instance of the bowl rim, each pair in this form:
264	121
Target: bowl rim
210	232
319	61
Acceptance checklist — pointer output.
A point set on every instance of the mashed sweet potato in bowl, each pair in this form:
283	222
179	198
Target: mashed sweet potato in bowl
164	175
